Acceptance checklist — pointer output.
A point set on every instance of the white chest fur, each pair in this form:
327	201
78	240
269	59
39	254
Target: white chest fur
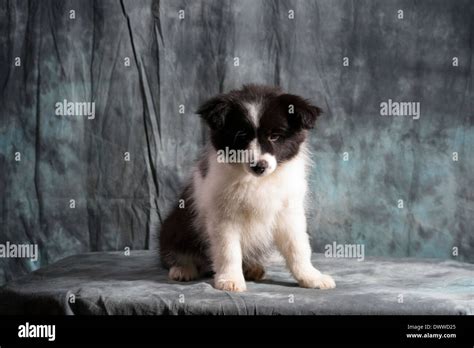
228	195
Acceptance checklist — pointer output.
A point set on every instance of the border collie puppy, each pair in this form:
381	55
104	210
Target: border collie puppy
233	212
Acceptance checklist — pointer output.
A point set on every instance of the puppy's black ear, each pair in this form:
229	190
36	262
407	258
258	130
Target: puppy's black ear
214	111
301	113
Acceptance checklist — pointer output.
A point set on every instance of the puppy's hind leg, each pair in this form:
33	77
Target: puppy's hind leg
184	269
253	271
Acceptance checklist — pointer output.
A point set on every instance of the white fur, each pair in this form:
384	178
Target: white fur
254	112
244	216
272	163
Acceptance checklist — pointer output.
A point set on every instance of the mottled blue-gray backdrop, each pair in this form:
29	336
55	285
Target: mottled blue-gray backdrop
182	61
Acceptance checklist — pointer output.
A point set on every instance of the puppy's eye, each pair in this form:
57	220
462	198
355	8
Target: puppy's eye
273	137
240	134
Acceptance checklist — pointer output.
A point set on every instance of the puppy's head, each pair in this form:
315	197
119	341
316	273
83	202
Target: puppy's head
258	126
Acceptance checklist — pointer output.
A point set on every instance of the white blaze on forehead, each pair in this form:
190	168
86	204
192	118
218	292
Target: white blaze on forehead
254	112
254	147
255	150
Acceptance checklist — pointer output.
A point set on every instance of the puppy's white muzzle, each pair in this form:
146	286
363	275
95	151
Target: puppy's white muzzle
263	165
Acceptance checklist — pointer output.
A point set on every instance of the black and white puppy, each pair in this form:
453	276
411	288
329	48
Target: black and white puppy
232	213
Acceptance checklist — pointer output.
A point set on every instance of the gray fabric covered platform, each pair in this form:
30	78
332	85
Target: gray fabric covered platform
111	283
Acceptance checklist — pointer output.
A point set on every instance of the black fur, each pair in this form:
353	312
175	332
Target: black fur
178	236
285	115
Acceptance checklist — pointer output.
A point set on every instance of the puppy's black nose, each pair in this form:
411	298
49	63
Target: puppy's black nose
260	167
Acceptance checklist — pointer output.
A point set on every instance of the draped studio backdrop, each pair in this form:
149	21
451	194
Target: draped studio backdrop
399	185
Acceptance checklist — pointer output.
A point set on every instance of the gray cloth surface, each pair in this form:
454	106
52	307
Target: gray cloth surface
112	283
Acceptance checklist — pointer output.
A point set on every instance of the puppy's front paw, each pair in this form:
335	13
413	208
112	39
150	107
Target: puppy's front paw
318	281
229	284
